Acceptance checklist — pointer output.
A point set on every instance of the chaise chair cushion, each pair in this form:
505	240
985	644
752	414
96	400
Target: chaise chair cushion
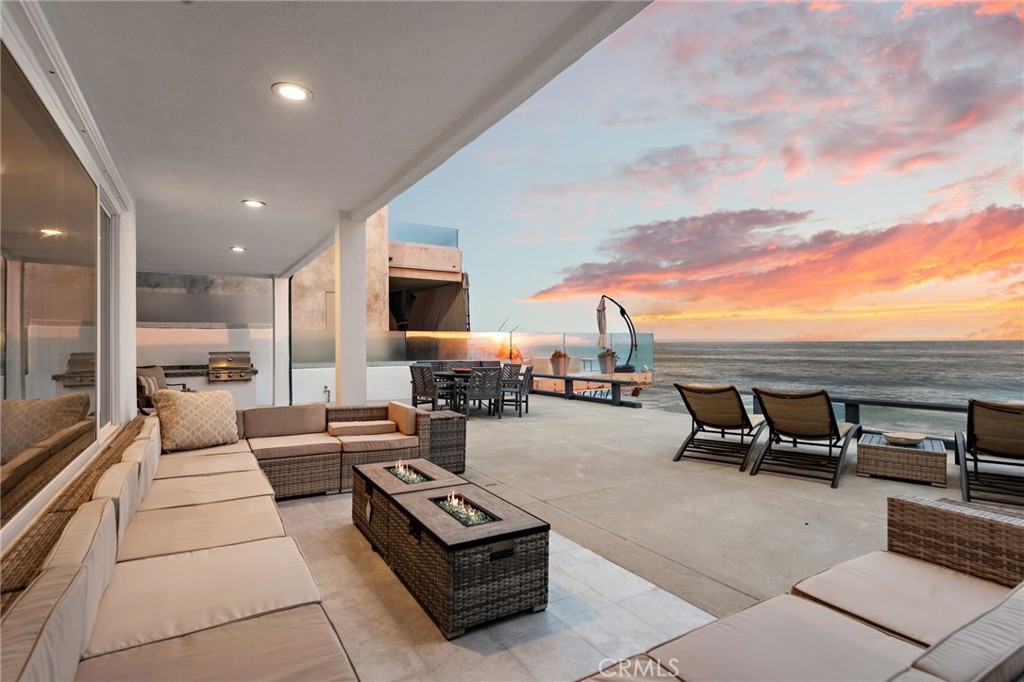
367	428
295	644
195	420
176	467
914	599
202	526
188	490
294	446
154	599
378	443
785	638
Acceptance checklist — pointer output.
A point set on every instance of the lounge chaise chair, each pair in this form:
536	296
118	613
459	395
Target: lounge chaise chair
718	409
991	454
805	419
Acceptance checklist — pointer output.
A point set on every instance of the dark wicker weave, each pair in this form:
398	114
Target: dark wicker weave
464	587
925	463
375	413
448	440
372	504
20	564
968	538
305	475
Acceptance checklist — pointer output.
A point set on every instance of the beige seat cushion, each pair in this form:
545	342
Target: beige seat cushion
168	596
914	599
176	467
384	441
202	526
404	417
189	490
264	422
274	447
120	483
361	428
785	639
90	538
147	454
44	628
228	449
150	429
296	644
990	648
195	420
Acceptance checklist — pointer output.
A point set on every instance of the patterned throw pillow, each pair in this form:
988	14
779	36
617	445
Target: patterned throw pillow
26	422
195	420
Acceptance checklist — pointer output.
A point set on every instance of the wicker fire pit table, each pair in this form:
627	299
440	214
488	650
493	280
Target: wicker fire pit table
373	486
467	575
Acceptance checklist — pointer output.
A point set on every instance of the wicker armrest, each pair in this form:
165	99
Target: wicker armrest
984	542
361	413
423	432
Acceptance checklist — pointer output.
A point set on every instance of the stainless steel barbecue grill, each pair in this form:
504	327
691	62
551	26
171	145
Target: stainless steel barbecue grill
230	366
80	371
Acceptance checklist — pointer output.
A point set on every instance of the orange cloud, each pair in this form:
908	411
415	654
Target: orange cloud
751	263
980	8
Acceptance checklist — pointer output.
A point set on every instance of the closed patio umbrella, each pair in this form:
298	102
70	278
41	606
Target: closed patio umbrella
602	328
602	325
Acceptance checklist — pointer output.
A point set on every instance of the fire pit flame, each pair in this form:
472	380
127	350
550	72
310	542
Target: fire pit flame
463	511
406	474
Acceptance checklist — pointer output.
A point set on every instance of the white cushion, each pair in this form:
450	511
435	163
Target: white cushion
120	483
189	490
176	467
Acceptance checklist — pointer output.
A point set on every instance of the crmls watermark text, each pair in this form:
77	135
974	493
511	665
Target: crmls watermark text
645	668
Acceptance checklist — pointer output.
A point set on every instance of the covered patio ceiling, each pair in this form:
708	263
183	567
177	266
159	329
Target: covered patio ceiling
182	95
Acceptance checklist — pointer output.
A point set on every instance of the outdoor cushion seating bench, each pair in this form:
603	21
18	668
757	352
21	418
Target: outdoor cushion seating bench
178	568
945	601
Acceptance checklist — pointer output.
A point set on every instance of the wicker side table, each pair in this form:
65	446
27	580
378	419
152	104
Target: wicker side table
448	440
924	462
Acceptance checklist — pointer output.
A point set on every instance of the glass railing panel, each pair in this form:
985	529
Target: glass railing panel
416	233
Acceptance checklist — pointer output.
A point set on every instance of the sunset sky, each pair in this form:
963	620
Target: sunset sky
741	171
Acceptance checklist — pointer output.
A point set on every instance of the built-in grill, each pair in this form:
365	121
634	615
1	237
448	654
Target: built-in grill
230	366
80	371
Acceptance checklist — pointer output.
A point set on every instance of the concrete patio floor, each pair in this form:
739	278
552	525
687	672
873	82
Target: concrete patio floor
604	477
643	549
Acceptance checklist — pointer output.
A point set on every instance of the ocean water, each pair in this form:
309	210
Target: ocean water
934	372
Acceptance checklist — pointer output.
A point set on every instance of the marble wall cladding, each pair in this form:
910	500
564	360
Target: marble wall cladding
204	299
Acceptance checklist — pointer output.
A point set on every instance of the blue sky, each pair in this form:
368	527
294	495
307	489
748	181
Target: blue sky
786	170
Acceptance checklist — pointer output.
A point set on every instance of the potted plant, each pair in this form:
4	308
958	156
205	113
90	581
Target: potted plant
607	359
560	362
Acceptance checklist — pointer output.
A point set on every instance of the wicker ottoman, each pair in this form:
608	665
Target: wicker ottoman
468	575
372	488
448	440
924	462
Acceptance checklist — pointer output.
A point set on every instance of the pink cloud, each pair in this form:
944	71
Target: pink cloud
745	260
982	7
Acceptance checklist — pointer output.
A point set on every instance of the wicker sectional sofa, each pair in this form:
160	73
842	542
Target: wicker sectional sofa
311	449
944	602
178	568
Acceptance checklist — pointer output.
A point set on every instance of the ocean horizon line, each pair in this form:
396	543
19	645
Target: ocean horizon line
833	341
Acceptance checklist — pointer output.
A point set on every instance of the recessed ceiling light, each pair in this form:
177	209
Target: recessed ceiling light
254	203
50	232
238	249
292	91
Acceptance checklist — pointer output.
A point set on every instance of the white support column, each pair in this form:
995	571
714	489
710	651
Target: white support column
350	311
282	334
125	350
